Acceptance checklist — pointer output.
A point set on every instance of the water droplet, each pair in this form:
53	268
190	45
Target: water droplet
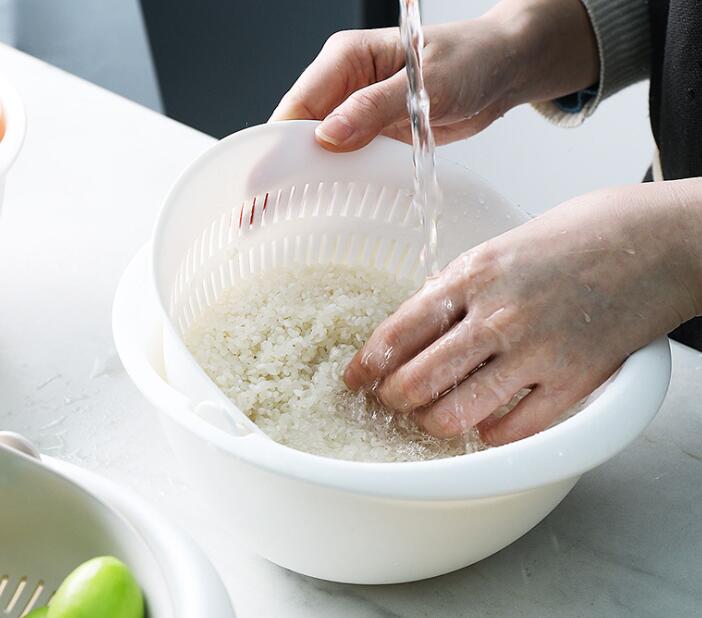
106	365
46	383
387	355
54	423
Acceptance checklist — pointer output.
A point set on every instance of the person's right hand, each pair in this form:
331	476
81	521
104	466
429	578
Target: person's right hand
553	306
474	72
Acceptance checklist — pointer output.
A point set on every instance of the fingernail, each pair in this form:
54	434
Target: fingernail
489	434
335	130
442	424
352	379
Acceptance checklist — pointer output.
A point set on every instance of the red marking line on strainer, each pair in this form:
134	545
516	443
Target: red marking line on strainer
253	210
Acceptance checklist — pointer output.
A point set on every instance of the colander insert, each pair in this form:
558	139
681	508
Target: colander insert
270	196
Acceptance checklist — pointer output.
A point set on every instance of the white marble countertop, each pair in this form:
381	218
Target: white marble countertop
79	203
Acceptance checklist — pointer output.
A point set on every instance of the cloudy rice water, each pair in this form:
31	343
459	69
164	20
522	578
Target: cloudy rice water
277	344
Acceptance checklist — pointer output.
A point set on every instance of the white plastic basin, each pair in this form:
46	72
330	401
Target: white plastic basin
374	522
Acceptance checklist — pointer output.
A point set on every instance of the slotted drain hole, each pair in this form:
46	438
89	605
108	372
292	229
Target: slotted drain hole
12	603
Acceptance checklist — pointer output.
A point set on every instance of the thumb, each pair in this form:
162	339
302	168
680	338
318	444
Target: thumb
365	114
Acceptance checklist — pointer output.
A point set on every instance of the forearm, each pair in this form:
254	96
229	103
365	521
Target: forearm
664	221
554	47
656	229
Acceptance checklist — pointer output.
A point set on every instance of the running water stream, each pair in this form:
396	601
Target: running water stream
427	195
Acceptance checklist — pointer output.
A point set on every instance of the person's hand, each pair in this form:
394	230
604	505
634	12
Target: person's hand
474	72
555	305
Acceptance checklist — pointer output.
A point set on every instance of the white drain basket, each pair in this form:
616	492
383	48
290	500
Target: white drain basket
55	516
249	205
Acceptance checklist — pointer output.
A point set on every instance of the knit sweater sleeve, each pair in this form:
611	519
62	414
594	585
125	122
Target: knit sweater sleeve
623	40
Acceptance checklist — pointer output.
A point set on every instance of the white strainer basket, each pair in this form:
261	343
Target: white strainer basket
271	196
55	516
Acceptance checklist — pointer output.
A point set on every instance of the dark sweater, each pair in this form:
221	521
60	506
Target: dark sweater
676	102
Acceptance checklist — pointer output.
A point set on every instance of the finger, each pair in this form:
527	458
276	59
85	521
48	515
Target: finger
534	413
474	399
445	133
364	114
400	131
349	60
468	127
312	96
327	81
418	322
438	368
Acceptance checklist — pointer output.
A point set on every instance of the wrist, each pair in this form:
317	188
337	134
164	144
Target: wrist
684	210
552	45
662	223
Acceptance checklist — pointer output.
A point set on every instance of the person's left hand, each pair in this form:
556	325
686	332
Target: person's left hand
475	71
555	305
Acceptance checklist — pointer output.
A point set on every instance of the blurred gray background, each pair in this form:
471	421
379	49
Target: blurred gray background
216	65
103	41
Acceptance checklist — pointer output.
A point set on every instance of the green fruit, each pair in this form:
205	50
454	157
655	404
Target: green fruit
39	612
100	588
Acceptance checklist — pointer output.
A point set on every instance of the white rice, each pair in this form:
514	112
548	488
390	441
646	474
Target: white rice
277	345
